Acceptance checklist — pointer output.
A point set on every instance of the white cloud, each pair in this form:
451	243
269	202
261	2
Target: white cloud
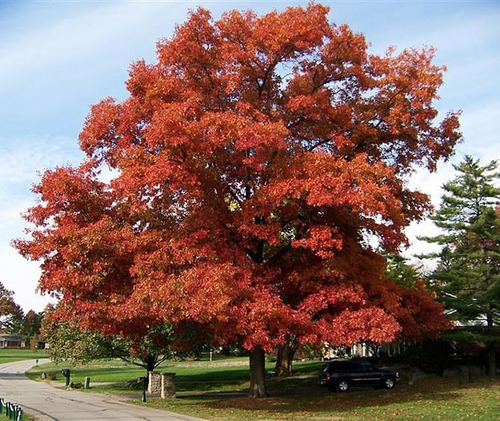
22	159
21	276
481	129
464	32
99	32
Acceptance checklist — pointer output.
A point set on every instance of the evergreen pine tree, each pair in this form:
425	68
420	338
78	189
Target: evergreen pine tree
467	274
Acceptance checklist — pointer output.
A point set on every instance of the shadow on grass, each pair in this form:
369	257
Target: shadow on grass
232	379
223	375
305	396
236	380
99	374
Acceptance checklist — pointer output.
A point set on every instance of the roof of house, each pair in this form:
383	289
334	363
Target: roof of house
10	337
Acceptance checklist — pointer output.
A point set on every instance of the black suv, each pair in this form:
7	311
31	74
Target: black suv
342	375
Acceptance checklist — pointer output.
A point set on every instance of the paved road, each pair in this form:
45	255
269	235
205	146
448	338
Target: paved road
48	403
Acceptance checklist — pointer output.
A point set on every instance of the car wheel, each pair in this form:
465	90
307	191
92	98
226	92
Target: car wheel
343	386
389	383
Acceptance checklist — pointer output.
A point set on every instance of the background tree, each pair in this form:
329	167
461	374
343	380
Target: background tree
401	271
254	163
30	328
467	276
11	313
69	342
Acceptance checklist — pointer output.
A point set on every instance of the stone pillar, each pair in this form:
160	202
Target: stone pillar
168	385
154	386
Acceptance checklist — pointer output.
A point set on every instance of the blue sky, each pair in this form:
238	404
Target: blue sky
59	57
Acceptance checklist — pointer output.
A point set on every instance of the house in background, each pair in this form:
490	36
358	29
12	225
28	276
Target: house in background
12	341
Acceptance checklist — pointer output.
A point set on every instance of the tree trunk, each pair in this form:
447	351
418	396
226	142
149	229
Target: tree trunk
284	360
257	373
280	356
150	361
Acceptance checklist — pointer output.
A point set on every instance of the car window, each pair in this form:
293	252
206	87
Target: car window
337	366
349	367
345	366
365	365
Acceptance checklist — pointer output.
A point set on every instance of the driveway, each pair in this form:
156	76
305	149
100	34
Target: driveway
45	402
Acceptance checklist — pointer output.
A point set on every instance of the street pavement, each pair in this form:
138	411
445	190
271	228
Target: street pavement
46	402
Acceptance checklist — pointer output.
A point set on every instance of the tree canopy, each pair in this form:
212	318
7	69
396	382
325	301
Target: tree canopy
253	165
467	275
11	313
68	342
32	322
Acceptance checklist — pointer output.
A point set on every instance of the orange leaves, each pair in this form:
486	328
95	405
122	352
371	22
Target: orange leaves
275	36
345	56
345	314
334	298
406	87
420	316
100	128
295	29
193	51
321	240
415	309
354	183
371	324
242	130
369	191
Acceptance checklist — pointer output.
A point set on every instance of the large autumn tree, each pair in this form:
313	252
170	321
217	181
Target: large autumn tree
257	164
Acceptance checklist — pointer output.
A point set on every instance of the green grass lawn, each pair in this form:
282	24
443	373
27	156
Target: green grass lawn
116	371
430	399
9	355
216	391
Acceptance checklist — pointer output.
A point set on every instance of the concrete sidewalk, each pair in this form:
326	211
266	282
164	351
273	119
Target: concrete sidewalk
45	402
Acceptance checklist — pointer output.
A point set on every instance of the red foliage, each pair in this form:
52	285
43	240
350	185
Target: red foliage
253	162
